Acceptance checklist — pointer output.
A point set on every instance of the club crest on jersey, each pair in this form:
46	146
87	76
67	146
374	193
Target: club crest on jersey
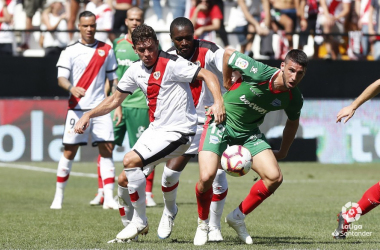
276	103
241	63
101	52
198	63
157	75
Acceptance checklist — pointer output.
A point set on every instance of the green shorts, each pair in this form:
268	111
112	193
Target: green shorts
215	138
135	121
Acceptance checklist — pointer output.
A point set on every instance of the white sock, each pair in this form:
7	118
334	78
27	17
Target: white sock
169	182
125	205
100	191
136	189
220	189
107	170
237	214
63	174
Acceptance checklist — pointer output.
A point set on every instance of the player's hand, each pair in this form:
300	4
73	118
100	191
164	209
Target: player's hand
198	32
78	92
345	112
219	112
118	114
279	154
82	124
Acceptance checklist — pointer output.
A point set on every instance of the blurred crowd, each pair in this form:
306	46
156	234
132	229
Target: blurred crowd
263	29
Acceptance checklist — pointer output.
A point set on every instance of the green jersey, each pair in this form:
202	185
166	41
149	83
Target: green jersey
250	99
125	56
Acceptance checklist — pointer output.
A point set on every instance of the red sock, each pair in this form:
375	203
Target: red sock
257	195
203	201
370	199
149	182
100	181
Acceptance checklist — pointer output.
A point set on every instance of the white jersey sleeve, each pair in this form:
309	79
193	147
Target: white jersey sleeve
127	83
64	60
184	71
111	66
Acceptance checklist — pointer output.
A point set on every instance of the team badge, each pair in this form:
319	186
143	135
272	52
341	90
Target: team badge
253	69
157	75
198	63
241	63
276	103
101	52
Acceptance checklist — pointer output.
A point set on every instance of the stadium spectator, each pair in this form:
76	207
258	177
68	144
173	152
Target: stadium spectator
7	8
177	8
94	62
374	28
135	116
75	6
171	135
371	198
158	11
206	18
120	14
263	89
53	19
31	7
208	56
364	19
249	18
333	19
104	18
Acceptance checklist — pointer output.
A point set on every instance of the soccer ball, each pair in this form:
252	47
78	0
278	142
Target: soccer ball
236	160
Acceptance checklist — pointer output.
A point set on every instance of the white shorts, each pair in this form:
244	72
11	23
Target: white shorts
101	129
193	149
155	147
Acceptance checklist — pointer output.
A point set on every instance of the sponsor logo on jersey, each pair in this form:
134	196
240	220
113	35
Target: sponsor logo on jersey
255	137
214	139
276	103
125	62
101	52
253	106
253	69
241	63
121	50
253	90
157	75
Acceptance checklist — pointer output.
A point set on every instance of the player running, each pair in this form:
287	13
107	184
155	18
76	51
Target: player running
164	79
262	89
371	198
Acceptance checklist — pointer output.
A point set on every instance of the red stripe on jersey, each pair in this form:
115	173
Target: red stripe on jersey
333	5
154	85
168	189
262	83
91	70
236	84
199	59
204	133
62	179
219	197
271	85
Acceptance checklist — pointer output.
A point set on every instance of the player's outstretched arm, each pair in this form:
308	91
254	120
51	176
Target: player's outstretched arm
217	109
288	136
227	71
106	106
370	92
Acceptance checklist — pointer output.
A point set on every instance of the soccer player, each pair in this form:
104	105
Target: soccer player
82	70
164	79
371	198
209	56
260	90
135	111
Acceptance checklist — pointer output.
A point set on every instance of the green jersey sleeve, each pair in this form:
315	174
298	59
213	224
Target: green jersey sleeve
293	111
250	69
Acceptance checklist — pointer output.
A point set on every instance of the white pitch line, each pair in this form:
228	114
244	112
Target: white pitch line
47	170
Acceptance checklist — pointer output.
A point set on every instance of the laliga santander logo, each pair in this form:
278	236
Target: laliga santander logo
353	213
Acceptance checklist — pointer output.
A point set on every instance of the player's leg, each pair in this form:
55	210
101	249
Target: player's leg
166	145
71	142
369	200
99	198
74	9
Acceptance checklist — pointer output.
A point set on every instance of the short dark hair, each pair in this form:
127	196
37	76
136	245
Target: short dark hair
142	33
181	22
297	56
86	13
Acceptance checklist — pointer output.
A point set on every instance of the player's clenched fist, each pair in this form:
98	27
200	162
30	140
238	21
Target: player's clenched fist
82	124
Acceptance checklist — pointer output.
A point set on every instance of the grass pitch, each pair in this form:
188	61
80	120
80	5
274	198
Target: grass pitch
300	215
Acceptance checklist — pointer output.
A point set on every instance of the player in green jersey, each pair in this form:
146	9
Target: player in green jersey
134	107
260	89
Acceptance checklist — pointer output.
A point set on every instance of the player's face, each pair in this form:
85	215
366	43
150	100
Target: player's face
133	20
147	51
87	28
183	39
292	74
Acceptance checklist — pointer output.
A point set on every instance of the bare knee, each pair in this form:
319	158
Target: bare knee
132	160
273	180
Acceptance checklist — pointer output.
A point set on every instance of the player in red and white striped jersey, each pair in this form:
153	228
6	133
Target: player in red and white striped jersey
164	79
104	18
82	70
209	56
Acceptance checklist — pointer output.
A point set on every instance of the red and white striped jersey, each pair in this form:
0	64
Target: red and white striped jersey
209	56
336	7
104	19
166	86
89	66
